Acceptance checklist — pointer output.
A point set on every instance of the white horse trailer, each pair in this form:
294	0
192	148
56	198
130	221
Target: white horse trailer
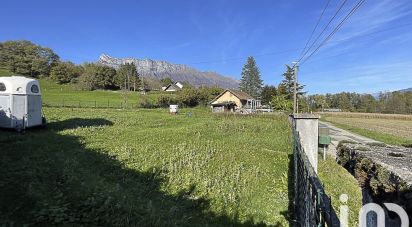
20	103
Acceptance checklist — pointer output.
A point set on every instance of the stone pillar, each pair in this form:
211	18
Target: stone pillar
308	128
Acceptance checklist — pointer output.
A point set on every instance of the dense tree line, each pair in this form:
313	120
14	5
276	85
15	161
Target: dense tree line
389	102
26	58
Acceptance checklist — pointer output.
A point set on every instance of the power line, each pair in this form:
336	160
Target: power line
316	26
375	32
245	57
324	29
293	50
351	12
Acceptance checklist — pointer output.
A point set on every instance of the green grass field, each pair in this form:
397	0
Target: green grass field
149	168
68	95
146	167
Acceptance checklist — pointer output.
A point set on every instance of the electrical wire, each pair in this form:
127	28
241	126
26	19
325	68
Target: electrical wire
324	29
351	12
316	26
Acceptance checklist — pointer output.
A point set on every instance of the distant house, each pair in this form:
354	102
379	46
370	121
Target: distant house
178	84
173	87
232	100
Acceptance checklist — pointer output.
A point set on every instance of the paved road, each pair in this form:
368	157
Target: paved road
338	135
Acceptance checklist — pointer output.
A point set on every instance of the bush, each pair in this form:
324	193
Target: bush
65	72
166	100
145	103
189	97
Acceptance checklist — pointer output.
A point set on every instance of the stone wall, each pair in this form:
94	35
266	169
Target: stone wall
385	172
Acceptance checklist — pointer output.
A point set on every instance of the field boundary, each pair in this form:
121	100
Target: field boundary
366	115
91	104
312	206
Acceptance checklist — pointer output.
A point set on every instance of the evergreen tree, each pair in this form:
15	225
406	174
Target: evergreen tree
251	81
286	87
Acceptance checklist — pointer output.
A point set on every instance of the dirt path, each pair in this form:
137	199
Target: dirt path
338	134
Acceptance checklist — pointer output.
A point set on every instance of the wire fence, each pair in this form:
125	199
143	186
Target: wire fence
99	104
312	206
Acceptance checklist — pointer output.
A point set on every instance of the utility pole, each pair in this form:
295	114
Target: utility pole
295	100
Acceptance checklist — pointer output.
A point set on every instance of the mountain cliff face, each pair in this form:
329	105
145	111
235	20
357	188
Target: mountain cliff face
182	73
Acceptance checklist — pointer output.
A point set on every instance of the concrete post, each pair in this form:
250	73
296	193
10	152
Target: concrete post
308	128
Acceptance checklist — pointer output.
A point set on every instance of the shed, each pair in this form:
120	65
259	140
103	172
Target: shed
20	102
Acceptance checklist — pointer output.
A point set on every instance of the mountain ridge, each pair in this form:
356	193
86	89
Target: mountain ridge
158	69
406	90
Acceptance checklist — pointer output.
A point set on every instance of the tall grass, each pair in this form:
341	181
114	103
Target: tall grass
146	168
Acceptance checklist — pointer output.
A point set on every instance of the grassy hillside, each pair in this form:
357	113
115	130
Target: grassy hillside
68	95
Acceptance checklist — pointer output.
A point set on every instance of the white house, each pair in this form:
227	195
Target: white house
173	87
20	102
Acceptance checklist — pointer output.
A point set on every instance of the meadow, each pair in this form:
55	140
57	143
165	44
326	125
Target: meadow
55	95
144	167
394	129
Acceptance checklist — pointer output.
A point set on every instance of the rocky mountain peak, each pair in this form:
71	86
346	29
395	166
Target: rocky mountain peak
177	72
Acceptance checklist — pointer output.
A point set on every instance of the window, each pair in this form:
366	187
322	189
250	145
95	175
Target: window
2	87
34	89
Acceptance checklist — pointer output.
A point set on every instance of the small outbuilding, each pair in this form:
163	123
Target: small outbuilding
20	103
233	100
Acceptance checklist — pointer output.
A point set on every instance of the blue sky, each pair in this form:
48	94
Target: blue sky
372	52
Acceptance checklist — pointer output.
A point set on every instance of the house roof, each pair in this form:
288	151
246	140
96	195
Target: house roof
239	94
173	86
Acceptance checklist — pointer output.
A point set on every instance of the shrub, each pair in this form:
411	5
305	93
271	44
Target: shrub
166	100
145	103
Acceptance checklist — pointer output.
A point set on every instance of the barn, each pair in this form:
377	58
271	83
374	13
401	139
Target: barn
20	102
233	100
